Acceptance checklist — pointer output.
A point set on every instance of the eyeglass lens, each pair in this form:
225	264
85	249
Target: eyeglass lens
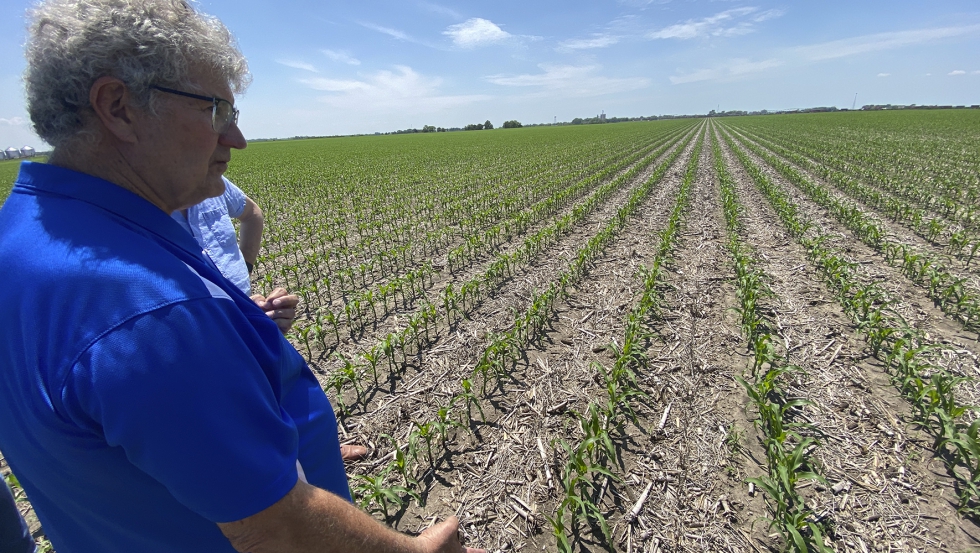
224	116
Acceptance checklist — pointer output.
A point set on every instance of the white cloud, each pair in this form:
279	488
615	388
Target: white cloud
298	65
569	80
884	74
13	121
476	32
389	92
597	41
957	72
341	56
394	33
721	24
881	41
976	72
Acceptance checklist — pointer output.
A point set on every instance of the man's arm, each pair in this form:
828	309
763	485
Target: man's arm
250	234
309	520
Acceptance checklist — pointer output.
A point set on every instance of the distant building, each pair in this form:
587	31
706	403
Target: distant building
602	117
11	153
27	151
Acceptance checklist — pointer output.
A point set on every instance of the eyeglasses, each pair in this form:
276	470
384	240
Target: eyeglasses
223	114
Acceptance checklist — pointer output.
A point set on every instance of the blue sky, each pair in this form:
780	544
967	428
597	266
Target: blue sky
326	68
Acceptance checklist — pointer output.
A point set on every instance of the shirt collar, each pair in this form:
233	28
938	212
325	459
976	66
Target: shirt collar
42	178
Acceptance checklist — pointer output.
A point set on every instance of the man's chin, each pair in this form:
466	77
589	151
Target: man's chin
216	185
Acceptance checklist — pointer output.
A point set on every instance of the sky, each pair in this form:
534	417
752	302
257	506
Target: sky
336	68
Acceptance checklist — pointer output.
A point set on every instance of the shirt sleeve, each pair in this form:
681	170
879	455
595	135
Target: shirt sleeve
179	391
234	199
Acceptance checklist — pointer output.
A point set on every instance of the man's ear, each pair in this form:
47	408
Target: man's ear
112	103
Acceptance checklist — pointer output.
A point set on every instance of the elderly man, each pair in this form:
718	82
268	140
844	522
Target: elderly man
146	403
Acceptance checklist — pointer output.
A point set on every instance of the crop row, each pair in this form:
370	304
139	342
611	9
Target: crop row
318	289
460	299
401	214
499	357
590	462
903	349
788	441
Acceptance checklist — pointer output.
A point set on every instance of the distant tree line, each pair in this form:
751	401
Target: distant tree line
485	126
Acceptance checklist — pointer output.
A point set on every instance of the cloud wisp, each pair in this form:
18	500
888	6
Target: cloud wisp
570	81
597	41
341	56
880	41
389	92
957	72
733	22
814	53
298	65
394	33
476	32
441	10
733	68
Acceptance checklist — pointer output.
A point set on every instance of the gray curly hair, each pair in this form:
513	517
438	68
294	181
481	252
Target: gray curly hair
72	43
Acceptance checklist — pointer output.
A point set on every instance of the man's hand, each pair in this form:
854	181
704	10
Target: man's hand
311	520
280	306
444	538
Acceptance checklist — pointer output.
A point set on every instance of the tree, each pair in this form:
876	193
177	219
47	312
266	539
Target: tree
474	127
512	124
488	125
429	128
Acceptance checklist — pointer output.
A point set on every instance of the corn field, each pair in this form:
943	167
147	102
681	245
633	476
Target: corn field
734	334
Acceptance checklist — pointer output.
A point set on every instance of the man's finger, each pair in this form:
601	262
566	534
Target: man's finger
277	293
286	301
277	314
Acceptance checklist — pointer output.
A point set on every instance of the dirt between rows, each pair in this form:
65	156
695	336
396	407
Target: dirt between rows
891	493
478	478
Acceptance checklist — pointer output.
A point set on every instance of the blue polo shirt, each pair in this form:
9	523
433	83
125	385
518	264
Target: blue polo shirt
143	397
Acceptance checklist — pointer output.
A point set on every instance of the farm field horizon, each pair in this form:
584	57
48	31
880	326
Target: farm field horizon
721	334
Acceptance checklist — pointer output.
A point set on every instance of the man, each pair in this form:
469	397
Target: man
146	403
209	222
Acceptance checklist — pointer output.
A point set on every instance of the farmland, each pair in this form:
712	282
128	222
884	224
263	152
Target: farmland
754	333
